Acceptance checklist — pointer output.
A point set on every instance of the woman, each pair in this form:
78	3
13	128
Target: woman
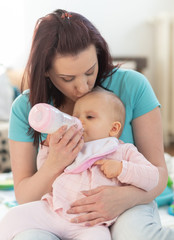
68	58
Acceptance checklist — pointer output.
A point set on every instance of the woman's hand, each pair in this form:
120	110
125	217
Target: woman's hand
64	145
102	204
46	142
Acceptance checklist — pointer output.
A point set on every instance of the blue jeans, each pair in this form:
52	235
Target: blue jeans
141	222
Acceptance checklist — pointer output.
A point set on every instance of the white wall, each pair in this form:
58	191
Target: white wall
123	23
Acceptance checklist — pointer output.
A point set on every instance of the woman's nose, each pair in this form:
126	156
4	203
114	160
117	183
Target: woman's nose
82	87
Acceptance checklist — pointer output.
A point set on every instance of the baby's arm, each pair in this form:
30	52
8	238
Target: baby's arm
136	169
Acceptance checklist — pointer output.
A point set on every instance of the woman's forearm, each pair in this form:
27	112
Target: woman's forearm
32	188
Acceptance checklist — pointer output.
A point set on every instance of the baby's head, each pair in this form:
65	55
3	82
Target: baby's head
102	114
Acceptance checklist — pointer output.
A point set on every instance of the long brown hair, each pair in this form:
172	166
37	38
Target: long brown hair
64	33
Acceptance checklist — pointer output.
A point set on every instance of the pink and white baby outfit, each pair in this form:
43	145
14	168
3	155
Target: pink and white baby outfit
50	213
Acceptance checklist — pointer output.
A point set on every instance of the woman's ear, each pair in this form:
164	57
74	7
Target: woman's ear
46	74
115	130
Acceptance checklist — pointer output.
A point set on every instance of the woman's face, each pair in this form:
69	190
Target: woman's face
75	75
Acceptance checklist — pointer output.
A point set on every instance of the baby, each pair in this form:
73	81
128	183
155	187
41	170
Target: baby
103	160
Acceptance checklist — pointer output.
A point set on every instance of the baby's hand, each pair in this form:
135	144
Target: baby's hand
110	168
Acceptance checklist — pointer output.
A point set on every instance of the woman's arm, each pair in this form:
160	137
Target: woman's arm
105	203
30	184
148	135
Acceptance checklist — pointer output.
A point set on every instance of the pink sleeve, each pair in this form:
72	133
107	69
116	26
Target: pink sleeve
42	155
137	170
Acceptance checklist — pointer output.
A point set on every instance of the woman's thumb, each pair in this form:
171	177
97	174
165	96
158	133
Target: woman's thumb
93	191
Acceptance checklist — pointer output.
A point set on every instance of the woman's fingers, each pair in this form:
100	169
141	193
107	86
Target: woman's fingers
66	137
91	219
75	140
91	192
94	222
64	146
91	216
82	208
98	206
78	147
85	204
57	136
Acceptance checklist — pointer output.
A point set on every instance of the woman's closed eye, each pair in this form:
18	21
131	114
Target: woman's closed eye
90	73
67	79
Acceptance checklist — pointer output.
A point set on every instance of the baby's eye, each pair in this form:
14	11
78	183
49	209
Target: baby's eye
90	117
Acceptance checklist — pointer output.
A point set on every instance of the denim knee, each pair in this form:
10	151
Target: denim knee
134	223
141	222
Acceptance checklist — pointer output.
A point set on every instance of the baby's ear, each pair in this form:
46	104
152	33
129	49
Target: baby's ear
116	127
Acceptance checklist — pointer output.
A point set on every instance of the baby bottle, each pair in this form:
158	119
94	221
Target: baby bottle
45	118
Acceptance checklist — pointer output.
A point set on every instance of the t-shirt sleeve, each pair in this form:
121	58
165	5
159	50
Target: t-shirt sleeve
18	124
143	98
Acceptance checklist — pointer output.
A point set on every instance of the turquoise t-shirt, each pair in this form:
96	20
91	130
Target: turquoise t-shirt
137	95
130	86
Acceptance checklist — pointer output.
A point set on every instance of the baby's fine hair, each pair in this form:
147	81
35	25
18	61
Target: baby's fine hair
115	105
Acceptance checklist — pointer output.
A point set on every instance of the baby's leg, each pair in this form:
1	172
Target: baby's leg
33	215
96	232
35	234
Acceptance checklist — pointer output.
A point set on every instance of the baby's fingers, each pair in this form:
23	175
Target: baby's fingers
100	162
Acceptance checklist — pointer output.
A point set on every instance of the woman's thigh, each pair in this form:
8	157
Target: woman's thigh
35	234
141	222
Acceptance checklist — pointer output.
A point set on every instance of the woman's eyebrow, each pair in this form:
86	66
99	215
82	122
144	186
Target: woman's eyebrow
66	75
91	67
